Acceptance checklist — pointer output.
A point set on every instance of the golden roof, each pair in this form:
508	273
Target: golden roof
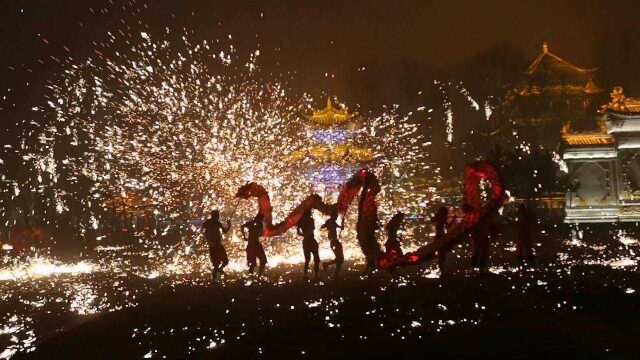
589	88
550	61
592	88
588	139
342	154
558	77
622	104
331	115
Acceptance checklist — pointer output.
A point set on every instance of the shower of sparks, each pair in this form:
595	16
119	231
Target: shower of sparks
153	137
488	110
449	114
474	104
448	110
42	267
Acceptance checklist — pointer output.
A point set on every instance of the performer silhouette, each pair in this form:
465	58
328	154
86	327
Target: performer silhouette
305	229
255	251
332	227
366	228
392	246
213	230
440	220
481	237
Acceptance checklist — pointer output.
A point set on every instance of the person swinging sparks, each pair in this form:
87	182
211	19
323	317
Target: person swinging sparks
213	230
255	251
332	227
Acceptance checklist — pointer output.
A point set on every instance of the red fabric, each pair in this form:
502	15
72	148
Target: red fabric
473	175
264	203
475	211
251	190
349	191
368	207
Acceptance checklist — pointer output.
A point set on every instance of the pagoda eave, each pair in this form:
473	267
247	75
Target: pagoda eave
588	139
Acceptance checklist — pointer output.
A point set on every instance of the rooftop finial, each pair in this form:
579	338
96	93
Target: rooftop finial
331	115
545	47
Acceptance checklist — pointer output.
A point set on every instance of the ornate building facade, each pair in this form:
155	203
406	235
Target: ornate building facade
604	165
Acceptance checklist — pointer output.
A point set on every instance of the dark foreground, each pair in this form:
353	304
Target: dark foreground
586	312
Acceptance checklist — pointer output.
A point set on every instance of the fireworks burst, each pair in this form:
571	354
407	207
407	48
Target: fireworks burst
167	130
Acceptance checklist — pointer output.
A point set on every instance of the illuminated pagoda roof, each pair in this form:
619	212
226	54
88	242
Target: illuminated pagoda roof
601	137
592	88
621	104
331	116
549	62
551	74
588	139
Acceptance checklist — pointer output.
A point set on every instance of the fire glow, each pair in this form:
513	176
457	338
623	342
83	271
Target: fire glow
41	267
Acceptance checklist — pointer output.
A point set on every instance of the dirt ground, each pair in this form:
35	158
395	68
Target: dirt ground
583	312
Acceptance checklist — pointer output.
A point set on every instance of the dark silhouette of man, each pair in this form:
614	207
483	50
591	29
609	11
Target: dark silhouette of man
480	246
255	251
366	227
440	220
392	246
305	229
213	230
481	237
332	227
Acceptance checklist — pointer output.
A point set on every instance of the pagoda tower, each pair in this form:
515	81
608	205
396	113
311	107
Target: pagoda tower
553	92
334	153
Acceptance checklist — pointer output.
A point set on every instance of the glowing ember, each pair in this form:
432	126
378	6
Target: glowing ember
39	267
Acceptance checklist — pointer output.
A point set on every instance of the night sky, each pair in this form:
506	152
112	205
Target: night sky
372	51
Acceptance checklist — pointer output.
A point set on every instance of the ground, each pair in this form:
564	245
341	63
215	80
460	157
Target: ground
580	300
582	312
